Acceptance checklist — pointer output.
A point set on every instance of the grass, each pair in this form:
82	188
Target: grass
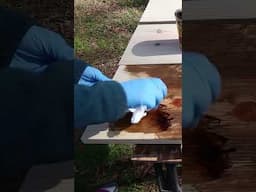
97	165
102	31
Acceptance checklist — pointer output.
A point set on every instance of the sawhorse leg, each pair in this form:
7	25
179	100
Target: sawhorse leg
167	182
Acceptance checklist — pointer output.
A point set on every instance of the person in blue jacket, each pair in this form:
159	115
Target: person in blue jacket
40	77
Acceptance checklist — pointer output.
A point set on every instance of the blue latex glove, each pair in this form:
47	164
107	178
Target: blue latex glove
201	87
145	91
39	48
91	76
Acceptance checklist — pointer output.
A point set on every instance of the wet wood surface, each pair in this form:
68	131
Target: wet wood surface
160	11
157	153
236	109
231	46
149	130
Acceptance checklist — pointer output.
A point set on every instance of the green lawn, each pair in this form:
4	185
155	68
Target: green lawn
102	31
100	164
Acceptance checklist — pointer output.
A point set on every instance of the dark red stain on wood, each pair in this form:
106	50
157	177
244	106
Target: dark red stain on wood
245	111
164	117
211	150
177	102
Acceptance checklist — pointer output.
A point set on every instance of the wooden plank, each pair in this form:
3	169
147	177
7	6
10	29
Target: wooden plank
148	131
160	11
157	153
237	69
153	44
218	9
157	159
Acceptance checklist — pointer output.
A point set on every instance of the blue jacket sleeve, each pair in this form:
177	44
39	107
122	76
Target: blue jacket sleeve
103	102
79	67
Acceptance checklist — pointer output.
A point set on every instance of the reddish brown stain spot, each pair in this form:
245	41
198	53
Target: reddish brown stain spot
245	111
164	117
209	152
159	120
177	102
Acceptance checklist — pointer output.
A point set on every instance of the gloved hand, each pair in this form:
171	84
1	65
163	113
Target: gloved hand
201	87
145	91
39	48
91	76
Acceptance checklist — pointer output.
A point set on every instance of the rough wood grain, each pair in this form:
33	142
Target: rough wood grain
231	46
148	131
153	44
160	11
241	134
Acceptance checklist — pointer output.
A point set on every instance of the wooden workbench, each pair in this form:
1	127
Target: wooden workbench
153	51
148	130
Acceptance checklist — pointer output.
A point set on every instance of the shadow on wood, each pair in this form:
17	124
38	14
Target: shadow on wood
157	47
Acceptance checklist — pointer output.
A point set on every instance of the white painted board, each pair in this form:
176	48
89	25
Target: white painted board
153	44
160	11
